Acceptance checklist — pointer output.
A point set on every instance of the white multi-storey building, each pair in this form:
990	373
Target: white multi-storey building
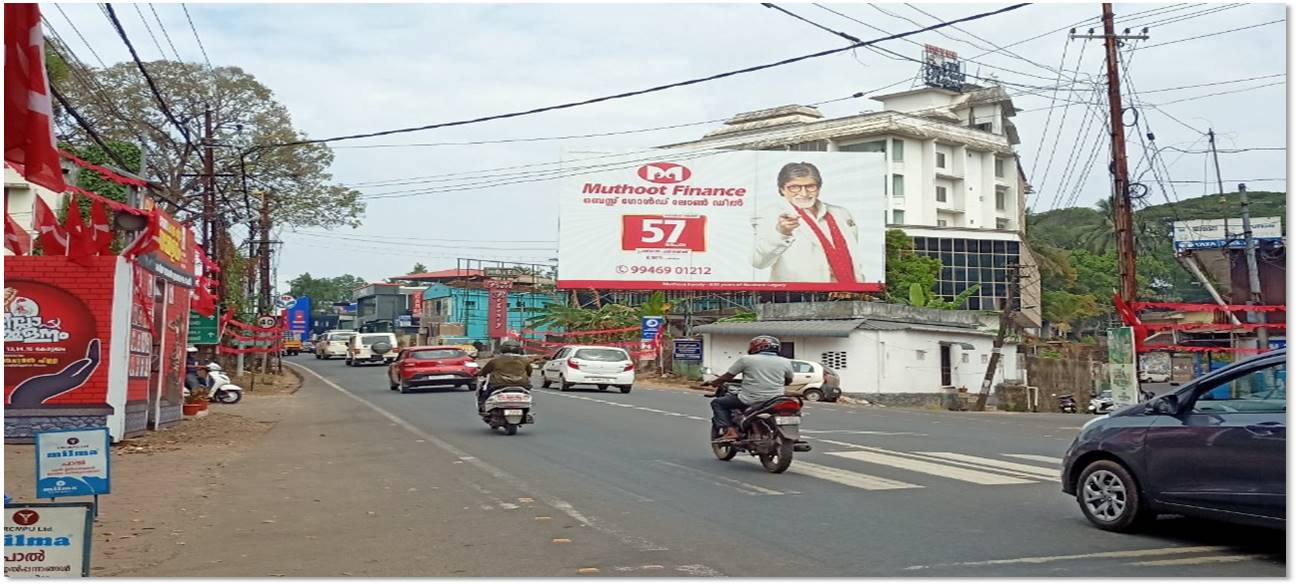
953	182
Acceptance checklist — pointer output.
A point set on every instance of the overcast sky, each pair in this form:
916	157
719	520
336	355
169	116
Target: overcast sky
344	68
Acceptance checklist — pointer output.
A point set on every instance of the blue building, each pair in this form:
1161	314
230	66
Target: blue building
455	315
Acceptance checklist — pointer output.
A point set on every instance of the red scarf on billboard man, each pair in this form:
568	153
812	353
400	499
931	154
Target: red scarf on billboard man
16	238
53	238
835	245
29	127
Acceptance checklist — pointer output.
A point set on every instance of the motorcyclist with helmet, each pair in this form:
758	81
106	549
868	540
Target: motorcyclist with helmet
509	368
765	372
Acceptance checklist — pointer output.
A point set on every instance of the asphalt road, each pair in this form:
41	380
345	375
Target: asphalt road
886	492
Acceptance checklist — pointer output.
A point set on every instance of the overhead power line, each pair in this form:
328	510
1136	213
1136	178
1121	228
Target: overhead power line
1204	36
153	87
1229	150
1228	82
80	36
165	34
656	88
196	37
148	28
1208	95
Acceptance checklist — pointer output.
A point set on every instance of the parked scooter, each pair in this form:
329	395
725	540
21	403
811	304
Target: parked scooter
507	407
1067	403
1102	404
223	392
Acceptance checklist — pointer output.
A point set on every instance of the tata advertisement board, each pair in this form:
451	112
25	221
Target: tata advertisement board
723	220
1199	234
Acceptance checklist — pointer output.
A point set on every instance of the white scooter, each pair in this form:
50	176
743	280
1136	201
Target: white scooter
223	392
508	407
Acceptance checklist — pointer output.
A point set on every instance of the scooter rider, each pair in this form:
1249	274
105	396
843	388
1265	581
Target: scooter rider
508	369
766	373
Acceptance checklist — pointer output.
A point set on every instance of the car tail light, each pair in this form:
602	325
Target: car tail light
786	407
629	367
572	363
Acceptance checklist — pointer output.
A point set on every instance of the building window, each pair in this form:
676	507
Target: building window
941	193
941	160
813	146
966	262
898	186
919	355
1000	199
1002	223
899	217
984	356
834	359
876	146
1000	168
964	358
898	150
941	223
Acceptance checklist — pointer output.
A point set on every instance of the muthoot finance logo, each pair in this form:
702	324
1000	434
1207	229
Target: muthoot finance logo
664	172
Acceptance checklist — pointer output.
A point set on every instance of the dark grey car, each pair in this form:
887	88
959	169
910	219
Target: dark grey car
1215	448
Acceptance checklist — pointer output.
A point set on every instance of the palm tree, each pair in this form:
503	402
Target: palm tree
1101	238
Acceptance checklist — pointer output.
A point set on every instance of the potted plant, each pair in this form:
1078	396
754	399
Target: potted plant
195	402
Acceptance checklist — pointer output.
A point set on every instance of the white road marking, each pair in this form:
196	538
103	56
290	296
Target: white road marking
1121	554
1045	473
1198	560
637	542
1041	458
715	479
922	466
848	478
882	433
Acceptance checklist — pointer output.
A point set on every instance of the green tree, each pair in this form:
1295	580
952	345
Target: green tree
419	268
1061	307
904	268
294	181
325	290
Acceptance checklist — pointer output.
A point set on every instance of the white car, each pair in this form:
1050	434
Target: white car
592	365
332	344
371	348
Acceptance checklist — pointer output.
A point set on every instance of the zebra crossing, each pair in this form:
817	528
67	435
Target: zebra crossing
866	467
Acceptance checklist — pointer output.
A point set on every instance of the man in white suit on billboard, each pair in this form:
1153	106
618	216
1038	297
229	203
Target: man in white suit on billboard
803	238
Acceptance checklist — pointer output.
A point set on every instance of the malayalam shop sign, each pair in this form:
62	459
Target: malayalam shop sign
47	540
72	463
724	220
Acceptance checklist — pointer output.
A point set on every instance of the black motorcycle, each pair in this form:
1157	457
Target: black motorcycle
768	430
1067	403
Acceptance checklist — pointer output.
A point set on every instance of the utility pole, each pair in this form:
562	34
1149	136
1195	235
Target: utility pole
1254	282
263	299
209	186
1007	321
1122	221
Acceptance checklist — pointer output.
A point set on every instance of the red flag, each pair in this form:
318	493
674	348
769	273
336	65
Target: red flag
16	238
81	242
102	228
147	241
54	240
29	125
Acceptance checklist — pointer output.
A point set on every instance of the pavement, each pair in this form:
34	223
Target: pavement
886	492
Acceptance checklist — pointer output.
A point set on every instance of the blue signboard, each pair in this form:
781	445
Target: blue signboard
650	327
687	350
298	317
72	463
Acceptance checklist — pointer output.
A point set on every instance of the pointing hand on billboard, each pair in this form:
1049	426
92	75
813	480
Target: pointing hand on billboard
786	223
34	391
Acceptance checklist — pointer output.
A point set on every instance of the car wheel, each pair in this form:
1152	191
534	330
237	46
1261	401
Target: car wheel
1110	498
625	389
813	395
564	385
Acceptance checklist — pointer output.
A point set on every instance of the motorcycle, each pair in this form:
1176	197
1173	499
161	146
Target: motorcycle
1101	404
507	407
768	430
223	392
1067	403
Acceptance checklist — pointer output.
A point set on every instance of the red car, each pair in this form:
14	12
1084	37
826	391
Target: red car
432	365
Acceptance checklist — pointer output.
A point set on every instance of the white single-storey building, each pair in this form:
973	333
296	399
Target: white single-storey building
885	353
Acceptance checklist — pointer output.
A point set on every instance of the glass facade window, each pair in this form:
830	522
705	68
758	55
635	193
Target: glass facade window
966	262
941	161
941	193
898	186
898	150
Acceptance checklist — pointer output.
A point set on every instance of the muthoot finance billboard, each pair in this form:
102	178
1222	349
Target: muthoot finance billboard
724	220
